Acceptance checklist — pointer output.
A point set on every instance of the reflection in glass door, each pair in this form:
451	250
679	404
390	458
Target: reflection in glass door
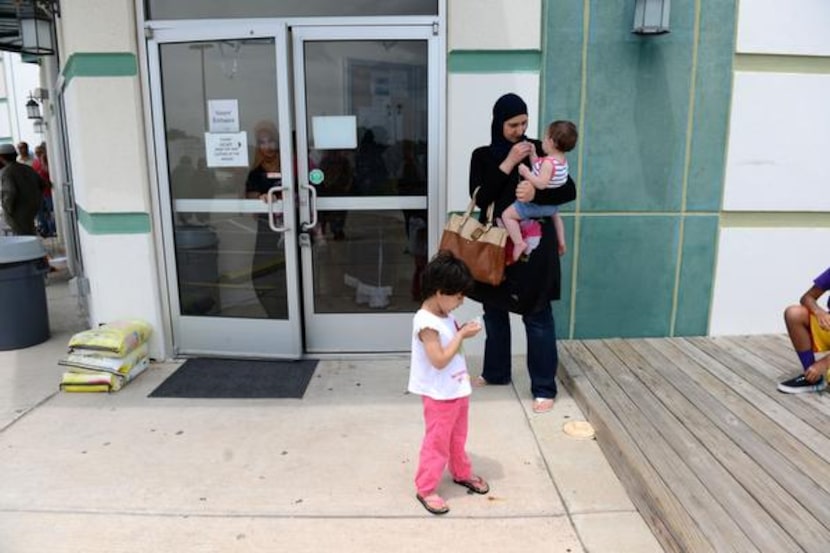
363	99
226	189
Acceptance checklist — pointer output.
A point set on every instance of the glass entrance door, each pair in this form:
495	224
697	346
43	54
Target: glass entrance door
222	125
367	107
297	179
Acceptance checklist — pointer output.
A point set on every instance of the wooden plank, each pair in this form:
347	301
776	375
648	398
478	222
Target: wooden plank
669	521
779	512
786	459
783	358
669	411
708	515
746	362
741	378
780	340
743	347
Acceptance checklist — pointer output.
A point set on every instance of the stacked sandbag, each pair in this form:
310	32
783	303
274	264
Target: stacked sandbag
106	358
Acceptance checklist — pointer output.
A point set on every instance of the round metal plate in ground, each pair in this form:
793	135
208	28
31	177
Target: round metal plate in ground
578	429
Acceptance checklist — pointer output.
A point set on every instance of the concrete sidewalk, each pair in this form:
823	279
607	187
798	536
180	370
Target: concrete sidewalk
334	471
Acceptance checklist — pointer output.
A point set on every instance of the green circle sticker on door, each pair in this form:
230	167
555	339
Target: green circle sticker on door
316	176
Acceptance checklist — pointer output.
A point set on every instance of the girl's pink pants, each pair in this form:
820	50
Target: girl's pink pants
445	438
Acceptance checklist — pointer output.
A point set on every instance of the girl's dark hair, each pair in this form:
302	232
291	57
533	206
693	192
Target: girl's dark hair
563	134
447	274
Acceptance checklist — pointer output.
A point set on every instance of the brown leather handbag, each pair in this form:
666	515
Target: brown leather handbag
479	245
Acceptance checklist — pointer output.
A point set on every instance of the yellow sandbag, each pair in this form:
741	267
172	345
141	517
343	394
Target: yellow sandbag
94	388
93	360
117	337
88	379
78	378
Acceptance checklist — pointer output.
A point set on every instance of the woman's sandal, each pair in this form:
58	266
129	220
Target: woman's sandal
475	484
433	503
479	382
542	405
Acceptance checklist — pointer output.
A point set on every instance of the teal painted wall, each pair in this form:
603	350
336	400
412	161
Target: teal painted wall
653	115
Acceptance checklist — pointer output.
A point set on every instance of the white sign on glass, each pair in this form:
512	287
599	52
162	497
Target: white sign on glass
226	149
334	132
223	116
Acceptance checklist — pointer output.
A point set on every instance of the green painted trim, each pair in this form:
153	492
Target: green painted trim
580	163
687	164
100	64
114	223
781	64
758	219
494	61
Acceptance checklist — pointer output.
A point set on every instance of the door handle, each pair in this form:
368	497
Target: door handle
273	191
312	208
69	199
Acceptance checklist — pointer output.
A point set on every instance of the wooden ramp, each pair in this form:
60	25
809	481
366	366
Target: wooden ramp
714	458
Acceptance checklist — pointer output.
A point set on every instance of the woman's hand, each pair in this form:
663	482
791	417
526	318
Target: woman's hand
517	153
525	191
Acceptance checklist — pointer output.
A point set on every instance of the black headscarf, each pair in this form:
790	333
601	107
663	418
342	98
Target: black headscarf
508	106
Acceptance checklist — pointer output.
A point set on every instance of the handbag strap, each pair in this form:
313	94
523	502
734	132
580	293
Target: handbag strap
472	205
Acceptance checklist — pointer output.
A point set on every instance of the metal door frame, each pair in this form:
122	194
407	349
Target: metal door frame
271	338
337	332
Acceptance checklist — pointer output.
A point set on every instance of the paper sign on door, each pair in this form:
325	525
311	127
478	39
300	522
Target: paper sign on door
223	116
226	149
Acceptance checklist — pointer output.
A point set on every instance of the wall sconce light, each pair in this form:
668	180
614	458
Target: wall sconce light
40	94
651	17
39	126
33	109
37	27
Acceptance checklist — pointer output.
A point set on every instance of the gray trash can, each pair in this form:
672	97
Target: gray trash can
197	263
24	315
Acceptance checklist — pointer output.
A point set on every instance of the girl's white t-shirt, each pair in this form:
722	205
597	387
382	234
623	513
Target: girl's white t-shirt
451	382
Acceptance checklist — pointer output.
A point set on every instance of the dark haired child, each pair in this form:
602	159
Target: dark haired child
550	171
438	373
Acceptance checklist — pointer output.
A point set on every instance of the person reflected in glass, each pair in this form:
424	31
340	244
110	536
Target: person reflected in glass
204	186
268	263
412	182
371	173
338	180
181	182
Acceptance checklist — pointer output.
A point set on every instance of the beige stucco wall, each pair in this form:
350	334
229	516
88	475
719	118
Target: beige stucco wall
494	24
108	157
774	231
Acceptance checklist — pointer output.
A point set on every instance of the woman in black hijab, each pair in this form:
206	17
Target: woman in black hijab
530	285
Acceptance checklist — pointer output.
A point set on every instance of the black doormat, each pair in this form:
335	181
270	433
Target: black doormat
205	377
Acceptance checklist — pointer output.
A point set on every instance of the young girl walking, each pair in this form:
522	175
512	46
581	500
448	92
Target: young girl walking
438	373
